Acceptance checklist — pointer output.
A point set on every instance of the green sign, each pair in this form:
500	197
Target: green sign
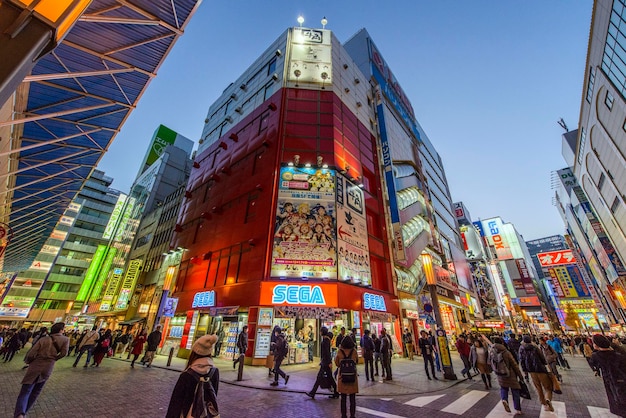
163	137
90	275
104	272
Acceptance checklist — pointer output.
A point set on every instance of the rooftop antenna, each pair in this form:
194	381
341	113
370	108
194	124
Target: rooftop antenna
562	124
324	22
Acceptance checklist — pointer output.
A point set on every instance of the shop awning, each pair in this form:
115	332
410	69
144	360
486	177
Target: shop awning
132	321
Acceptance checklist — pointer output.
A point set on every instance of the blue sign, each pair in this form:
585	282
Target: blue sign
204	299
298	295
374	302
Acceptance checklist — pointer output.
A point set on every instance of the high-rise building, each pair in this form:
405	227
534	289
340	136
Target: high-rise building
595	156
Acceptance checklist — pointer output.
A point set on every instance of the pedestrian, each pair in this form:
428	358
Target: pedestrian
377	358
464	350
137	347
310	340
479	359
513	344
103	345
533	362
220	340
353	335
333	341
347	386
153	341
612	364
73	341
123	342
551	358
338	340
325	375
367	346
12	345
433	342
509	375
385	354
242	345
87	344
407	339
557	346
200	370
41	359
281	350
427	350
587	351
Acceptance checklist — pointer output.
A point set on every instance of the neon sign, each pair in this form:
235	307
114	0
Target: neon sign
204	299
298	295
374	302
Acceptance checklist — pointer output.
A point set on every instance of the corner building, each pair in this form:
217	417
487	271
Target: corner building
284	218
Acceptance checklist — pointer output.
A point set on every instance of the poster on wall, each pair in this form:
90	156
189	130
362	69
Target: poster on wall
485	291
305	230
353	252
262	342
265	317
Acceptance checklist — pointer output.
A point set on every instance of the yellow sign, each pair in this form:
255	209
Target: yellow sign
444	354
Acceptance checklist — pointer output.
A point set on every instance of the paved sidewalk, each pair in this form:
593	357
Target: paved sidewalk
409	377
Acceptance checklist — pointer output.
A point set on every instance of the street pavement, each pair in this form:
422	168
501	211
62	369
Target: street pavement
116	390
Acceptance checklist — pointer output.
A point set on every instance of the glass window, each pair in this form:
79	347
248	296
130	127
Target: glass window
608	100
615	205
601	181
271	67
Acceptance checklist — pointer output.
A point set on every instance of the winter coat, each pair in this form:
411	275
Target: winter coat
613	367
100	345
531	359
510	381
42	356
344	387
548	352
183	393
89	339
138	345
153	340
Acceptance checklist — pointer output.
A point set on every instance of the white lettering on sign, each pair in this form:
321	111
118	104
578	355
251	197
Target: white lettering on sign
298	295
204	299
374	302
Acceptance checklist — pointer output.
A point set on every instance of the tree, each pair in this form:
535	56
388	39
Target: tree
571	317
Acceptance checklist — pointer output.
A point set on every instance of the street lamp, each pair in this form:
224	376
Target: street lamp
442	340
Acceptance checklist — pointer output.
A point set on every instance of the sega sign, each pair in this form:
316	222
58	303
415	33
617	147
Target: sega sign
298	295
204	299
374	302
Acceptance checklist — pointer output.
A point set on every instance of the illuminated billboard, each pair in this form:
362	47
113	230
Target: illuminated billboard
556	258
494	232
310	59
90	274
132	274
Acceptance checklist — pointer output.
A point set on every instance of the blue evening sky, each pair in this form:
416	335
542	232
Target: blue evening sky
488	81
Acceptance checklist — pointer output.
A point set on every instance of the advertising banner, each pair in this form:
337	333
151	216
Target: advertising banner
105	268
169	309
111	289
305	231
16	306
492	228
555	283
132	274
353	248
556	258
577	280
311	56
484	291
91	273
562	275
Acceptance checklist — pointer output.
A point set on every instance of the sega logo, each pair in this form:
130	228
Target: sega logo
374	302
203	299
498	243
298	295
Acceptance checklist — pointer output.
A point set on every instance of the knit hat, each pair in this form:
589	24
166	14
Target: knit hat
601	341
204	345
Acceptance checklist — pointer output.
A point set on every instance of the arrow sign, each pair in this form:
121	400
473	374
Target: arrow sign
341	232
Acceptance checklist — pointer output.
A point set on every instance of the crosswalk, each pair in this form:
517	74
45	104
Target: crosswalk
459	405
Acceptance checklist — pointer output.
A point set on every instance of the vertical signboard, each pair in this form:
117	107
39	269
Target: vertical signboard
103	274
163	137
134	268
305	240
115	217
492	228
91	273
310	56
353	249
111	289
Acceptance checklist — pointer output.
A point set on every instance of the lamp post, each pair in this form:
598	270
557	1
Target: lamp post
442	340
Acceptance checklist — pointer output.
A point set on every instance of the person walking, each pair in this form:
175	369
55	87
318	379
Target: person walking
511	375
103	345
137	347
479	359
338	339
385	354
367	345
427	350
123	343
551	358
281	350
513	344
242	345
87	344
41	359
325	375
433	342
557	346
12	345
612	365
533	362
464	350
73	342
347	385
377	358
153	341
407	338
200	370
587	352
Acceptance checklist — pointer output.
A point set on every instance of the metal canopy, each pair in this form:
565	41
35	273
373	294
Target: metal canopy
68	111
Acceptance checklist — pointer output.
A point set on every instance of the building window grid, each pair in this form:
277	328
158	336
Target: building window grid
590	84
601	181
615	205
583	140
608	100
614	53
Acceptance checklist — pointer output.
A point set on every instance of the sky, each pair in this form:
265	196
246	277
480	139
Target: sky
488	81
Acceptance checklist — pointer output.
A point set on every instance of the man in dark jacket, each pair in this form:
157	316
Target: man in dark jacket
325	373
427	349
242	345
153	344
377	358
367	345
385	353
533	362
281	350
513	344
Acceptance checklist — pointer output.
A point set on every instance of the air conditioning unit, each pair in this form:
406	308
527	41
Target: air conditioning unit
239	109
243	86
229	119
233	96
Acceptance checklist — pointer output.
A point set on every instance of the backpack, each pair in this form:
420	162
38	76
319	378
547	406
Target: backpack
202	407
284	348
499	366
347	368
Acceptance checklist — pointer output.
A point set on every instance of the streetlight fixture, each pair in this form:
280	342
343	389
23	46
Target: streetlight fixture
300	20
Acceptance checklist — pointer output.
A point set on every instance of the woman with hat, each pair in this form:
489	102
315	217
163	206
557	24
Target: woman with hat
199	370
613	367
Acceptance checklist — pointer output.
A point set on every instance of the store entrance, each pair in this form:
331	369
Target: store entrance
302	336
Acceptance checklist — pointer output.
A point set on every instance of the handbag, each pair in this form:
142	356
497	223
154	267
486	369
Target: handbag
524	392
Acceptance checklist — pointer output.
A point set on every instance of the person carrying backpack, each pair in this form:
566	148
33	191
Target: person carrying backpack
195	393
281	350
612	363
533	362
348	382
507	371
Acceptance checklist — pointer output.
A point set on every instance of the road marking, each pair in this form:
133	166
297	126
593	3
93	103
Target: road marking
377	413
386	399
423	400
499	412
598	412
465	402
559	411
